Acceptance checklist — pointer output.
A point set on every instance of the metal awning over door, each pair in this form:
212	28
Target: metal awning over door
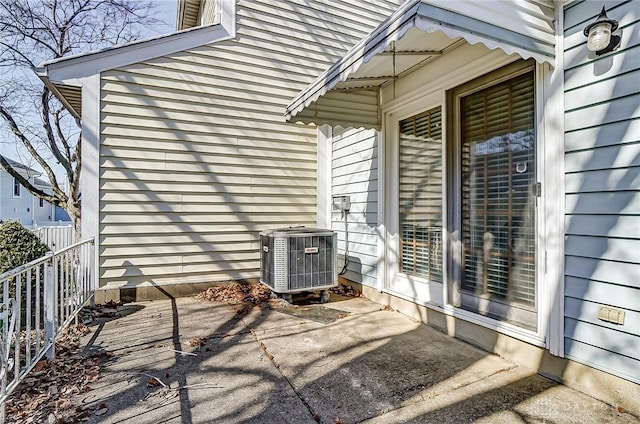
419	32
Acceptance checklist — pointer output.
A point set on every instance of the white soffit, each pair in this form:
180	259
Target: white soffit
418	32
188	11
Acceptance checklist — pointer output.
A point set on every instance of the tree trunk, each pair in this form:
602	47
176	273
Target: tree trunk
73	210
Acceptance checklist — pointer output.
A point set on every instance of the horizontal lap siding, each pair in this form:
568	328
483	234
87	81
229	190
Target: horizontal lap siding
355	173
602	182
209	12
195	155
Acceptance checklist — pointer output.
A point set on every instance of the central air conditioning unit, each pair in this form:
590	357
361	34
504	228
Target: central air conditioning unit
298	259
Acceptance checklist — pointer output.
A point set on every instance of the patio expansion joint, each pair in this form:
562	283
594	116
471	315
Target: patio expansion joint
307	405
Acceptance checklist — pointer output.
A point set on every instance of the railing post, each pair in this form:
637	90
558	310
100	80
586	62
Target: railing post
3	383
93	270
4	314
50	306
3	407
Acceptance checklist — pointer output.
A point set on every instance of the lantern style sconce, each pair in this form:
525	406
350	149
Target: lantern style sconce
603	35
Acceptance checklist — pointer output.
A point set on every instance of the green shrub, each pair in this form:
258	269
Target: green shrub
18	246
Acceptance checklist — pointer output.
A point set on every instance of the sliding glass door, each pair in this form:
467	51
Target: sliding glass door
463	230
497	165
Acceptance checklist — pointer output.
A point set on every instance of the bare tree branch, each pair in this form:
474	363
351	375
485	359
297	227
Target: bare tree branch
45	113
13	50
63	138
26	184
24	31
32	32
32	151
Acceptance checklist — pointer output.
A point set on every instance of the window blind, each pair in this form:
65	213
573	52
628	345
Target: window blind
498	208
420	191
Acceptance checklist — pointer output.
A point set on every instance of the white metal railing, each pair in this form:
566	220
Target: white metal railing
56	237
39	300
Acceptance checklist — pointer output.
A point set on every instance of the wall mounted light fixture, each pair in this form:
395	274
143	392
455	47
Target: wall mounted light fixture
603	35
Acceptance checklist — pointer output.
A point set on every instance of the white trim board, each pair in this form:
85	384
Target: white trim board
553	194
324	201
89	178
70	69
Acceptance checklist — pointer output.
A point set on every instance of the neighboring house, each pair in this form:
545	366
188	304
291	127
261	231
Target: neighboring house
490	160
43	212
17	204
494	175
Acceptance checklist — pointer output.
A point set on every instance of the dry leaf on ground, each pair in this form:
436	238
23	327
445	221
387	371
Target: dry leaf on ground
48	390
197	341
236	293
344	290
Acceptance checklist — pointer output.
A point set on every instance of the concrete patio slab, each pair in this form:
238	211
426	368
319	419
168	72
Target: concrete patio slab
192	361
186	361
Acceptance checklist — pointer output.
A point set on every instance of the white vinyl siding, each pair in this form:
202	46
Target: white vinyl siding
6	195
209	12
355	174
195	156
602	147
530	18
43	212
192	170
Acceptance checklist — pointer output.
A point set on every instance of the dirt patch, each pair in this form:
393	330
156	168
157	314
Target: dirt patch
315	313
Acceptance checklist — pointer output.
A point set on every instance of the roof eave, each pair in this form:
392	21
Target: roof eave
21	168
41	73
91	63
71	71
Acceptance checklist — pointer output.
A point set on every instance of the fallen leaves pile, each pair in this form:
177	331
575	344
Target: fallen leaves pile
246	296
243	296
46	395
344	290
236	293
